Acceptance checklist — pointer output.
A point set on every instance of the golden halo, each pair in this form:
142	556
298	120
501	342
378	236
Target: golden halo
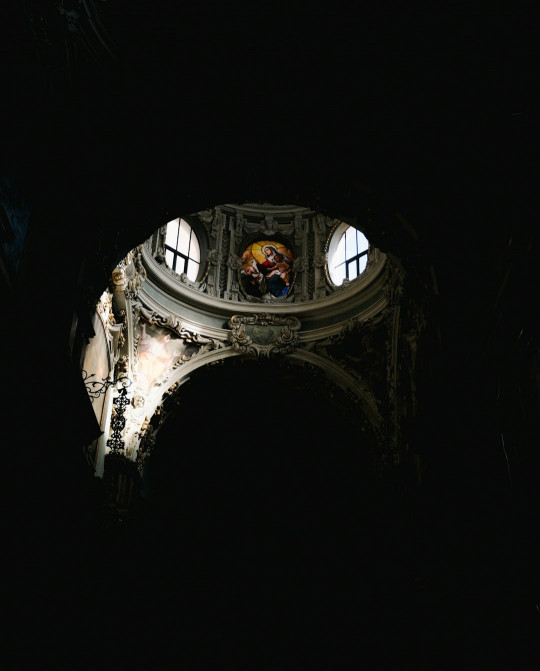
256	249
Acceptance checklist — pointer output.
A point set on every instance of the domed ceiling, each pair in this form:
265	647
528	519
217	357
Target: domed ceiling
254	281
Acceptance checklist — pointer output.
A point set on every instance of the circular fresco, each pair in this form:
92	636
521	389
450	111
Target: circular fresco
267	268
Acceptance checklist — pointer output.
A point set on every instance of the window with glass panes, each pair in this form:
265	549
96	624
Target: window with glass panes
182	251
350	258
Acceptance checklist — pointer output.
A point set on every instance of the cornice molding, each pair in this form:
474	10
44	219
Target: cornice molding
267	209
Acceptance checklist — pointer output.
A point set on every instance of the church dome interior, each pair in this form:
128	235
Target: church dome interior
271	349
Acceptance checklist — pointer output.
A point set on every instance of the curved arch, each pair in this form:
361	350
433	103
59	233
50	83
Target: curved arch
348	382
264	404
356	389
331	369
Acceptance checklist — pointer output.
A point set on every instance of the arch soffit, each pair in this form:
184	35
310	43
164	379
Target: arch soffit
348	382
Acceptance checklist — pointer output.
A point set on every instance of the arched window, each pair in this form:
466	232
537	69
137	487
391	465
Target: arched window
182	251
347	254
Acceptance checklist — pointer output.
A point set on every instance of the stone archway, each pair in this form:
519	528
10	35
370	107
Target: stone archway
255	443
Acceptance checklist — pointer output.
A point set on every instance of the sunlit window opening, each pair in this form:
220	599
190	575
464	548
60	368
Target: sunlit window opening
182	251
348	259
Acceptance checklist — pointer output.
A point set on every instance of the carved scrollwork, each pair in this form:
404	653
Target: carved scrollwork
168	320
263	334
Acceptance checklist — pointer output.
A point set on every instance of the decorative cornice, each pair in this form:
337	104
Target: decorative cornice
268	209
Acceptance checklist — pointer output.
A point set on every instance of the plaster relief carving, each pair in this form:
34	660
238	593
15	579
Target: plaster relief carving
240	228
269	226
234	262
147	442
136	273
301	264
263	334
206	216
135	417
121	368
319	260
321	287
166	320
213	256
118	278
104	309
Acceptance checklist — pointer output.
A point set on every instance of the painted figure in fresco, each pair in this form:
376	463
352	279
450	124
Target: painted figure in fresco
283	269
253	272
270	252
271	274
154	356
275	268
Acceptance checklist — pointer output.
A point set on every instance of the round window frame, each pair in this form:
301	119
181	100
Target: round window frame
201	233
333	240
